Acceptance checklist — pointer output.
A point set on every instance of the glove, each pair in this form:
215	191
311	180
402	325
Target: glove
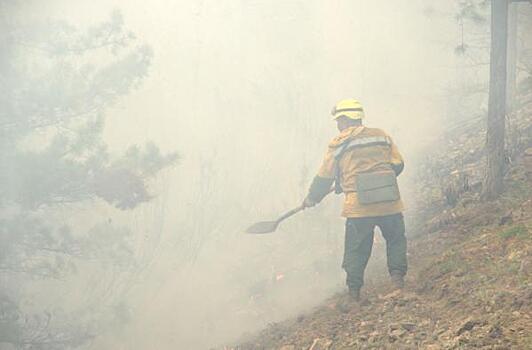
308	203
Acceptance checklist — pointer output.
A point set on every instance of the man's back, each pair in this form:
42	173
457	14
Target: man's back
364	163
369	151
361	150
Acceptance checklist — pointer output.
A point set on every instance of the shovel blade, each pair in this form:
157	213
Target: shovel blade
263	227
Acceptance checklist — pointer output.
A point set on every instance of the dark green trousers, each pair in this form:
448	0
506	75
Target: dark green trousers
359	242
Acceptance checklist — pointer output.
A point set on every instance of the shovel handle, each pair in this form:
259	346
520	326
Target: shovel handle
290	213
296	210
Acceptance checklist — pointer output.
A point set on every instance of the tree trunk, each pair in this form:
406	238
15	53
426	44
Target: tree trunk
493	183
512	58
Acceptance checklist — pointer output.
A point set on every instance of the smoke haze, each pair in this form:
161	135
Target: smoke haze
242	91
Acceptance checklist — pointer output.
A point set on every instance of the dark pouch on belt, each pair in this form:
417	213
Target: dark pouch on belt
377	187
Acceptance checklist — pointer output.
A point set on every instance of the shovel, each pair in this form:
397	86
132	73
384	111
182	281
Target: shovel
271	226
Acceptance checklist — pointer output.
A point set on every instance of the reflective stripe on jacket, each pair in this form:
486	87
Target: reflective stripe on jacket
361	150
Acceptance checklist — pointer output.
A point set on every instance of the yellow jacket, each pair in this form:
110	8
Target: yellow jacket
358	150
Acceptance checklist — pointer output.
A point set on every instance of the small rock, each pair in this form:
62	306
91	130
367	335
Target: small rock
467	326
495	332
408	326
506	219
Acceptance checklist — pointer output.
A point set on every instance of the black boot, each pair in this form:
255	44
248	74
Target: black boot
348	301
398	280
354	294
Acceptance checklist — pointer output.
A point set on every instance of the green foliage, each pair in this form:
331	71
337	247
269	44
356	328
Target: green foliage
519	231
62	94
451	263
57	83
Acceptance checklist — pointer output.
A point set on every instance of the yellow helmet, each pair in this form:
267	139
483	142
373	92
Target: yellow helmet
349	108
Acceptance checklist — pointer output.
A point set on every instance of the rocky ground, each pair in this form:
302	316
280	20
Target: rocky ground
468	289
469	285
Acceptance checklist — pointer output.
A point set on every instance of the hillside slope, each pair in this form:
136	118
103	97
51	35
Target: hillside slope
469	287
469	284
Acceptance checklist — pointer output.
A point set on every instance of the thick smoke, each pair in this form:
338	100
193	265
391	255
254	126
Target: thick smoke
242	90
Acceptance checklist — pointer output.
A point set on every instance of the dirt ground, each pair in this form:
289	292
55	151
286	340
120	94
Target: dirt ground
468	287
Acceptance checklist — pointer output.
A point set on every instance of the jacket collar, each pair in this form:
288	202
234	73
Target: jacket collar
346	135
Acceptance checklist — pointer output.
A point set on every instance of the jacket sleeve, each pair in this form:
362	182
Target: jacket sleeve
322	182
396	159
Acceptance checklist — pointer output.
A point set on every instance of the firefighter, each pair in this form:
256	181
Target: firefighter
363	163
